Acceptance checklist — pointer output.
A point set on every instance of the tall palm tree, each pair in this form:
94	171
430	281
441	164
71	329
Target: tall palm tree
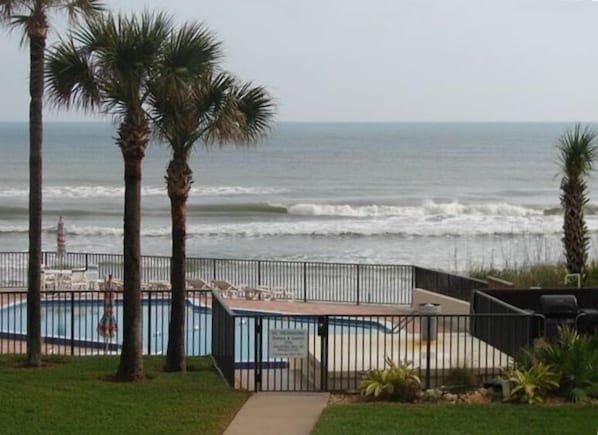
577	152
108	64
213	108
32	17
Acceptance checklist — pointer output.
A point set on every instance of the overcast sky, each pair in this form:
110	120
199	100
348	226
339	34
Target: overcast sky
395	60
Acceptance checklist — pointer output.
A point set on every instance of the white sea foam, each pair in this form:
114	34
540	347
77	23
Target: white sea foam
73	192
429	208
429	220
390	227
235	190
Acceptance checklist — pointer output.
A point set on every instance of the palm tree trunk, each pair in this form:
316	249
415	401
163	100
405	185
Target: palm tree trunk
133	140
575	232
179	183
37	46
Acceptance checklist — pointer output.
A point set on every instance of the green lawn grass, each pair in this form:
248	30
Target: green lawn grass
77	396
391	418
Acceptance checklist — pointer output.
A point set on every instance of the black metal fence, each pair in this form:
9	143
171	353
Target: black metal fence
455	286
70	322
509	333
333	352
527	302
278	352
223	339
307	281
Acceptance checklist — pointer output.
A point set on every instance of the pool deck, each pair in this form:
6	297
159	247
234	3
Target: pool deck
317	308
282	306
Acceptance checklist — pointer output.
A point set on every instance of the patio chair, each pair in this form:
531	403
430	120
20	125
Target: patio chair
289	294
78	280
252	293
225	288
158	285
92	276
197	284
48	281
278	293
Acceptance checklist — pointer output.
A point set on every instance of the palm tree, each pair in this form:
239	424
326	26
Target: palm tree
108	64
577	152
31	16
213	108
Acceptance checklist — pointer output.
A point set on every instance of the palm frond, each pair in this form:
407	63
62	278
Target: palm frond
83	8
258	111
70	78
577	151
192	49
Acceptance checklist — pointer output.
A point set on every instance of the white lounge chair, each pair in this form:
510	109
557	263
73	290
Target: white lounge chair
48	281
92	276
225	288
78	280
197	284
158	285
259	293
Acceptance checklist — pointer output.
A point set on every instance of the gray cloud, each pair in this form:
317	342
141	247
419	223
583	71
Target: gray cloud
390	60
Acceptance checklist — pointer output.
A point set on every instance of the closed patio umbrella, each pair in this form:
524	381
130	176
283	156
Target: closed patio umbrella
60	239
107	326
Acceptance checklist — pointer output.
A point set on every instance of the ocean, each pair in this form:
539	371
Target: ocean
452	196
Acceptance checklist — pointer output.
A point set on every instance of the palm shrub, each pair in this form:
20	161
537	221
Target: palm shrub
530	385
573	356
577	152
397	382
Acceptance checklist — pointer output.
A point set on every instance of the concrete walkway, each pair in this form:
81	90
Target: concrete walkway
278	413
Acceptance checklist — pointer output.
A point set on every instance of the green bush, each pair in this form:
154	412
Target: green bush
397	382
573	356
530	385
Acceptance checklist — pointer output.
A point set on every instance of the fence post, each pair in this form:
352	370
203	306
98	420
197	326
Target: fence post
323	334
259	272
414	281
304	281
213	268
257	371
72	323
149	323
357	277
428	349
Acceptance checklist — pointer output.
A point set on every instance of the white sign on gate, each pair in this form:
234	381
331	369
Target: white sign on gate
287	343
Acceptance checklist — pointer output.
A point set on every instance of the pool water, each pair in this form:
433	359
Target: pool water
65	321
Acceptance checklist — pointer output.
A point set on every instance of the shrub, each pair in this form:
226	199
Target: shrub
573	357
396	382
532	384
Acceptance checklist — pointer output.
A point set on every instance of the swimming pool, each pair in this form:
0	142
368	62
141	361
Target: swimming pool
73	323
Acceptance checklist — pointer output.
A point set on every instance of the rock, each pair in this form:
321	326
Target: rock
451	398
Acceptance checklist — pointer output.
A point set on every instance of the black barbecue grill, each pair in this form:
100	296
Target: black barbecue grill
558	310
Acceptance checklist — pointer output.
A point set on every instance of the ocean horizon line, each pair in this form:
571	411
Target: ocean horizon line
342	122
